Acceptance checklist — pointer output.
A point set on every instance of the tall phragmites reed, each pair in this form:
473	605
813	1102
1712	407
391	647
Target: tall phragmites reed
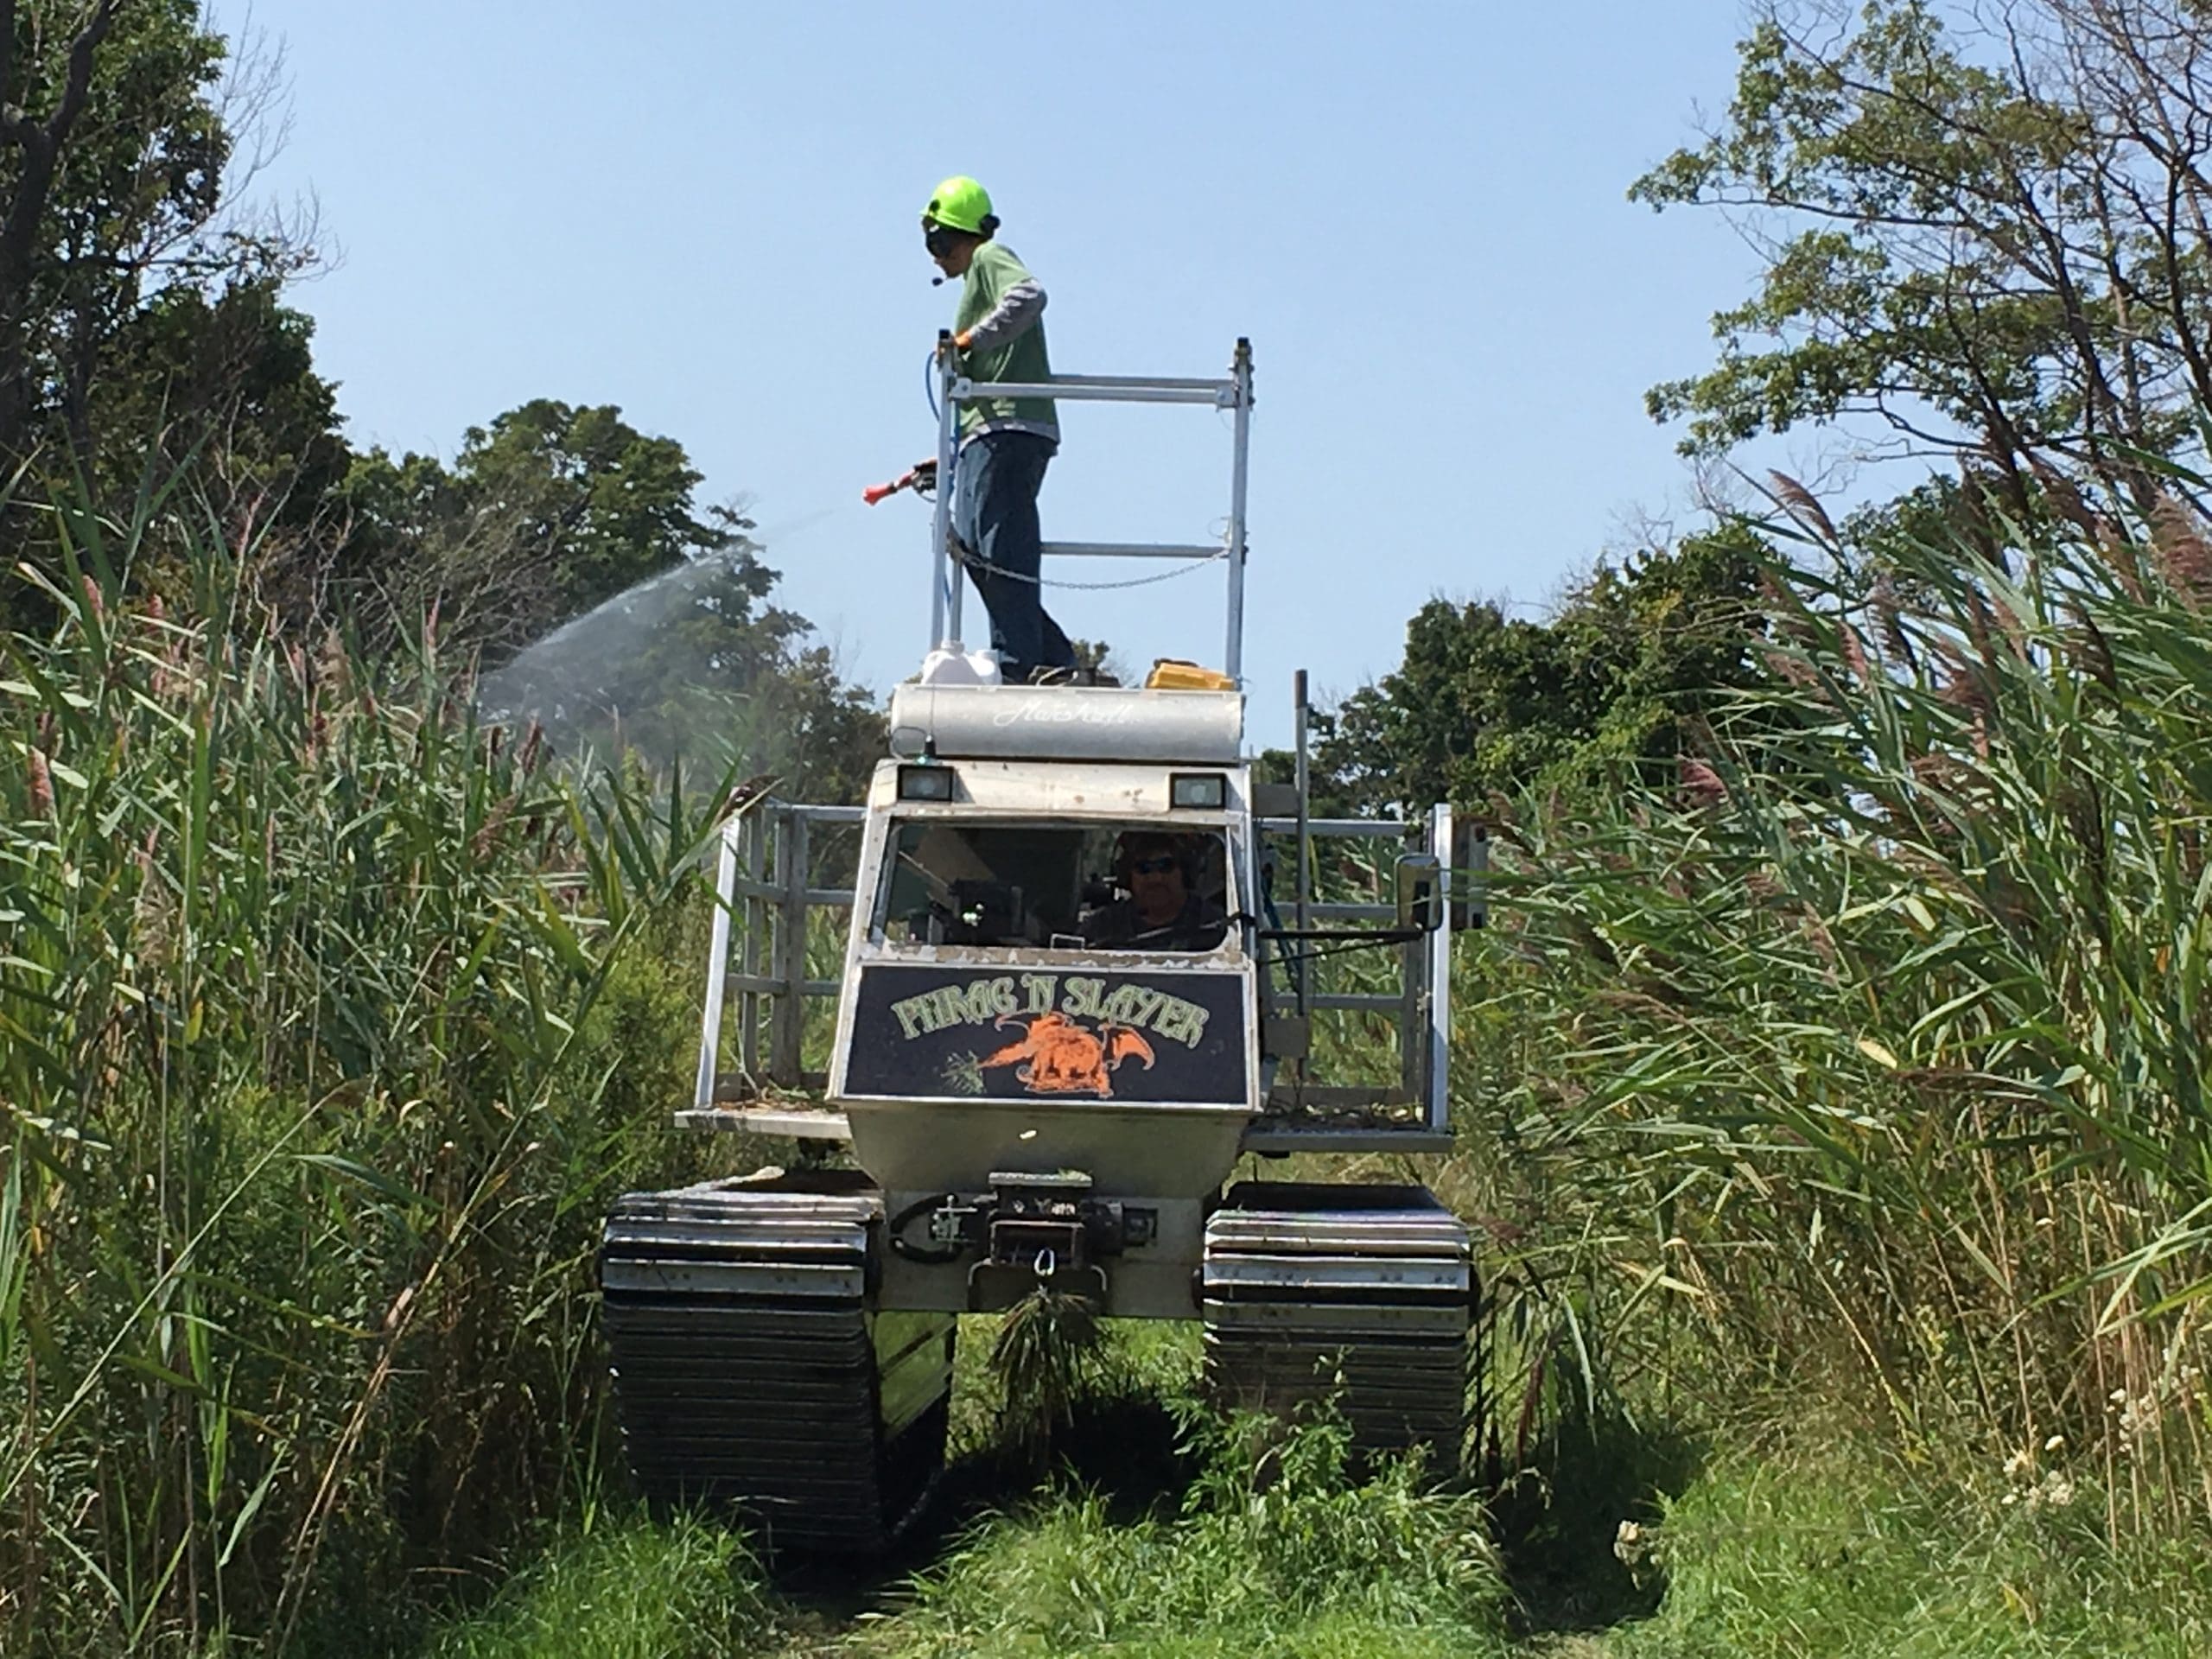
1869	1049
312	1000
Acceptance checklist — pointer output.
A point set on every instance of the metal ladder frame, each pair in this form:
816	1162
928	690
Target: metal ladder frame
1421	1007
774	898
955	389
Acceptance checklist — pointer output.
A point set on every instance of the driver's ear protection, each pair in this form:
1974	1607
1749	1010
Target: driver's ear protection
938	238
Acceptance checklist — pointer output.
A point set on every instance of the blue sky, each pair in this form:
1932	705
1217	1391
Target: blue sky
706	213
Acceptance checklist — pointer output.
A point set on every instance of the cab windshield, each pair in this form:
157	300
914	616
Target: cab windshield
1065	886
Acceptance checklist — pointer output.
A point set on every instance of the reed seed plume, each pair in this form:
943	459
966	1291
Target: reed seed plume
1791	666
2184	558
1701	785
2121	556
1804	507
2092	651
1853	650
39	777
2064	497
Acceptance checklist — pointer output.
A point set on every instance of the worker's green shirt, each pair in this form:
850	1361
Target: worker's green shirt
1002	304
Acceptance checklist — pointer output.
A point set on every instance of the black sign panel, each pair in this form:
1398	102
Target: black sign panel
1022	1034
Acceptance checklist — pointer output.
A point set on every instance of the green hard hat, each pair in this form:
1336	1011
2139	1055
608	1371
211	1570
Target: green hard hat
959	203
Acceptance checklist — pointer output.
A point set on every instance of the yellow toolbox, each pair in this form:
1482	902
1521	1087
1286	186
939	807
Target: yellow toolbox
1173	674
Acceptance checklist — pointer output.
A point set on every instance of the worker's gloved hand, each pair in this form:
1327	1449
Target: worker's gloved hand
960	340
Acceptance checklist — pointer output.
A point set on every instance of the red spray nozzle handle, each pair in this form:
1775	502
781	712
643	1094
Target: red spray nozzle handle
915	478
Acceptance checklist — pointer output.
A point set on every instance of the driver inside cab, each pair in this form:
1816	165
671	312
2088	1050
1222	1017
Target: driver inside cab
1160	909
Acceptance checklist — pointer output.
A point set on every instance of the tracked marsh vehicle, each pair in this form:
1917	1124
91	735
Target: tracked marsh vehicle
1037	1090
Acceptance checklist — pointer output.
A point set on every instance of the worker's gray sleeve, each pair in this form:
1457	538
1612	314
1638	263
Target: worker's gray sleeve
1015	313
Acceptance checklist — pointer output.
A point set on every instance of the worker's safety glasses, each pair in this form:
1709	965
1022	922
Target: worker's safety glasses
1159	865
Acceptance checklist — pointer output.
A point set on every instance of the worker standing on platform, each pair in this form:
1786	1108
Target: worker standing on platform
1005	442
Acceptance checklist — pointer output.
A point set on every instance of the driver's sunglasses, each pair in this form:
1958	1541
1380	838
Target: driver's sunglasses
1159	865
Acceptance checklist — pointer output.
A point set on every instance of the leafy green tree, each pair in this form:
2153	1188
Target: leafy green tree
142	323
117	133
1481	701
551	510
228	376
1983	228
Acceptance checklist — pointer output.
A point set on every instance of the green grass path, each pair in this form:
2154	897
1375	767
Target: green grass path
1170	1534
1825	1551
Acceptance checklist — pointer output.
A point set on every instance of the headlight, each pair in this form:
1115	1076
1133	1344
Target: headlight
1203	791
925	783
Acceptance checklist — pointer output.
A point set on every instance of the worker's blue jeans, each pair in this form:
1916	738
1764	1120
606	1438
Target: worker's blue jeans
995	512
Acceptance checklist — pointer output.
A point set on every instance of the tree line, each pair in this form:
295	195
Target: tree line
147	342
1985	228
1986	241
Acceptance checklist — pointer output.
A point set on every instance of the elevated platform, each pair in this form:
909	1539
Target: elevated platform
1279	1132
1067	723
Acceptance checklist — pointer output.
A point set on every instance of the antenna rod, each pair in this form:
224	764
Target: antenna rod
1304	780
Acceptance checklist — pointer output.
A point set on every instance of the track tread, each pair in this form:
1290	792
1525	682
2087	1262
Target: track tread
1367	1292
749	1372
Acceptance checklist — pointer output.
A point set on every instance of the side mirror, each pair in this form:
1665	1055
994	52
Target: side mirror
1420	892
1470	872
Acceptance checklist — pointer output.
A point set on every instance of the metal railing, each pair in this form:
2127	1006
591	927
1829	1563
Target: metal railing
775	896
1421	1007
761	886
1234	393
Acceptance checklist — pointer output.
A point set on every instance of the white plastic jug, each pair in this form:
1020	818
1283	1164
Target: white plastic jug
942	667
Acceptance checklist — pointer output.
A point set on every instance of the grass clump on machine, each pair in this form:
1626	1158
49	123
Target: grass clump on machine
1031	1107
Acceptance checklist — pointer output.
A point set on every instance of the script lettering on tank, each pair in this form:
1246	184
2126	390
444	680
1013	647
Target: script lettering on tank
1062	711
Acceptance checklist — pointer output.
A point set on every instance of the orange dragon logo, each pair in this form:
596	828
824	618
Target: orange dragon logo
1059	1057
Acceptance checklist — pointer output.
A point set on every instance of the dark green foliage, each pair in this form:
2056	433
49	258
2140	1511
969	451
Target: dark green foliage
239	356
1623	674
140	309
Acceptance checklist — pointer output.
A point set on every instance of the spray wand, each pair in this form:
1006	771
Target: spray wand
921	478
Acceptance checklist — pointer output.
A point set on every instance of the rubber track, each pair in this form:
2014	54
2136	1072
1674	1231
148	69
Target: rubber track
1365	1291
749	1374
